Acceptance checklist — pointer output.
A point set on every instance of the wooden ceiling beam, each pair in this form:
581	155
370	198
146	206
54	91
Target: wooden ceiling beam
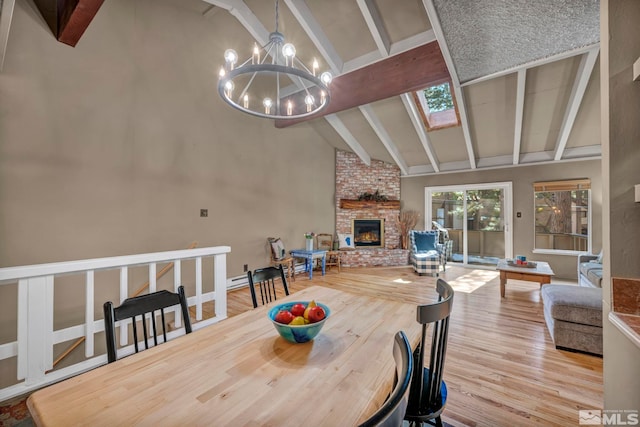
408	71
68	19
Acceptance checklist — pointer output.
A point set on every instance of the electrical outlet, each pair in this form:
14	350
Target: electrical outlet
246	268
204	213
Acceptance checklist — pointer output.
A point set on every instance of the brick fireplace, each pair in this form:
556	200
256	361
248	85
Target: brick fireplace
353	178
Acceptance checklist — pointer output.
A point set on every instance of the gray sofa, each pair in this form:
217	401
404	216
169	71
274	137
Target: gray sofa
573	314
590	270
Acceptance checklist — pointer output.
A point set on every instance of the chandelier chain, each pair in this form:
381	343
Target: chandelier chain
277	15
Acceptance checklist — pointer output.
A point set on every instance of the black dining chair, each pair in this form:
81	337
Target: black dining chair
428	394
392	411
265	278
141	306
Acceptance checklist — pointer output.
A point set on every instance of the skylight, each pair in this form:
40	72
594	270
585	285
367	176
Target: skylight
438	107
438	98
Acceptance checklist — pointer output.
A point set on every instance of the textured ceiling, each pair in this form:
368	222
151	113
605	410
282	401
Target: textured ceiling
495	35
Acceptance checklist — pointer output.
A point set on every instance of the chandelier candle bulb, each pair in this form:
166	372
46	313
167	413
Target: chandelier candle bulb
315	66
246	101
255	58
230	57
289	108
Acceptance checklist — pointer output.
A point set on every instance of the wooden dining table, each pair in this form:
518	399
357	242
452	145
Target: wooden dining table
240	372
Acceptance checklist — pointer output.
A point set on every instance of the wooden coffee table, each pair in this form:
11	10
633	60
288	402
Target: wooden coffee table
541	273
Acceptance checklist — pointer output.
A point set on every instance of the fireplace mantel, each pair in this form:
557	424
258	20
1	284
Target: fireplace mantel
369	204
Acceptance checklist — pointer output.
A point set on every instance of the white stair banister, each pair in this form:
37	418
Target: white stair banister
36	336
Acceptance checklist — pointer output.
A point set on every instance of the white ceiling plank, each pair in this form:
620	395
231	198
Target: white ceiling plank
386	140
362	61
349	138
420	170
304	16
396	48
373	19
536	63
591	152
414	115
585	151
575	99
412	42
517	135
5	24
464	120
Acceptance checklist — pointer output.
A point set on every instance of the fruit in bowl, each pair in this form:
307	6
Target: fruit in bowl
299	328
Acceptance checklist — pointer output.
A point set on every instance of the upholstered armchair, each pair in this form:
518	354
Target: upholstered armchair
427	253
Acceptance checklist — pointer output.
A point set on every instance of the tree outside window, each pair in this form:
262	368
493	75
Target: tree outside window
562	215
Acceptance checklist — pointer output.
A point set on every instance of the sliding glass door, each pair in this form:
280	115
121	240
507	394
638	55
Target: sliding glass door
477	218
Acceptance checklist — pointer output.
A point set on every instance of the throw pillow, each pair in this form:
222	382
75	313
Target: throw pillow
346	241
425	242
277	248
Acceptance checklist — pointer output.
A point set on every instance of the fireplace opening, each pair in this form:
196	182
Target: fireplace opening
368	232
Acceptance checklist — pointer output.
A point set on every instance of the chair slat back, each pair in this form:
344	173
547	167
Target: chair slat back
324	241
142	306
391	413
266	278
425	396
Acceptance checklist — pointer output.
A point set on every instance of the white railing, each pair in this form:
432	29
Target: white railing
35	309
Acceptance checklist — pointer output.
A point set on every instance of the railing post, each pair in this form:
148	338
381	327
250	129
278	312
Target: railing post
220	284
88	315
35	328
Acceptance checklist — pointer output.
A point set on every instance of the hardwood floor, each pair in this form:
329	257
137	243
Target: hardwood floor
501	368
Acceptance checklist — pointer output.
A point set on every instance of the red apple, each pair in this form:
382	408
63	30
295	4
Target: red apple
284	316
316	314
298	309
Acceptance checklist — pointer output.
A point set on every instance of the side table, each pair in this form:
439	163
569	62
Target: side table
308	259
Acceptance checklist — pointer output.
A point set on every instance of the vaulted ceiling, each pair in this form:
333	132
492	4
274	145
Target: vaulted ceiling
524	74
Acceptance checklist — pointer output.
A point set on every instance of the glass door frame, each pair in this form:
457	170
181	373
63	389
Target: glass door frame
506	187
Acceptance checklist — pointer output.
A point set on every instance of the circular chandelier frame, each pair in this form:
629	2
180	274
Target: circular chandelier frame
277	70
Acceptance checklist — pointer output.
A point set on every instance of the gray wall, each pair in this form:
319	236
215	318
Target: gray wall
621	156
112	147
564	266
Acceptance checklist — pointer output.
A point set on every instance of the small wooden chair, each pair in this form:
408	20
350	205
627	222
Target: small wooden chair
392	411
141	306
265	279
324	241
280	258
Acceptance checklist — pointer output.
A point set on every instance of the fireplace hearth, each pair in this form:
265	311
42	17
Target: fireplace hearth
368	232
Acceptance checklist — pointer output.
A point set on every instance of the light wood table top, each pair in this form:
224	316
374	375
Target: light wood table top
541	268
541	273
241	372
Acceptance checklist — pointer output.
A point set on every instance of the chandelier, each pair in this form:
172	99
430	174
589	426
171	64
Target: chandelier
259	85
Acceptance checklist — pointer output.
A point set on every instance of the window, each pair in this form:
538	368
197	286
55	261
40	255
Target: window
437	107
562	216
